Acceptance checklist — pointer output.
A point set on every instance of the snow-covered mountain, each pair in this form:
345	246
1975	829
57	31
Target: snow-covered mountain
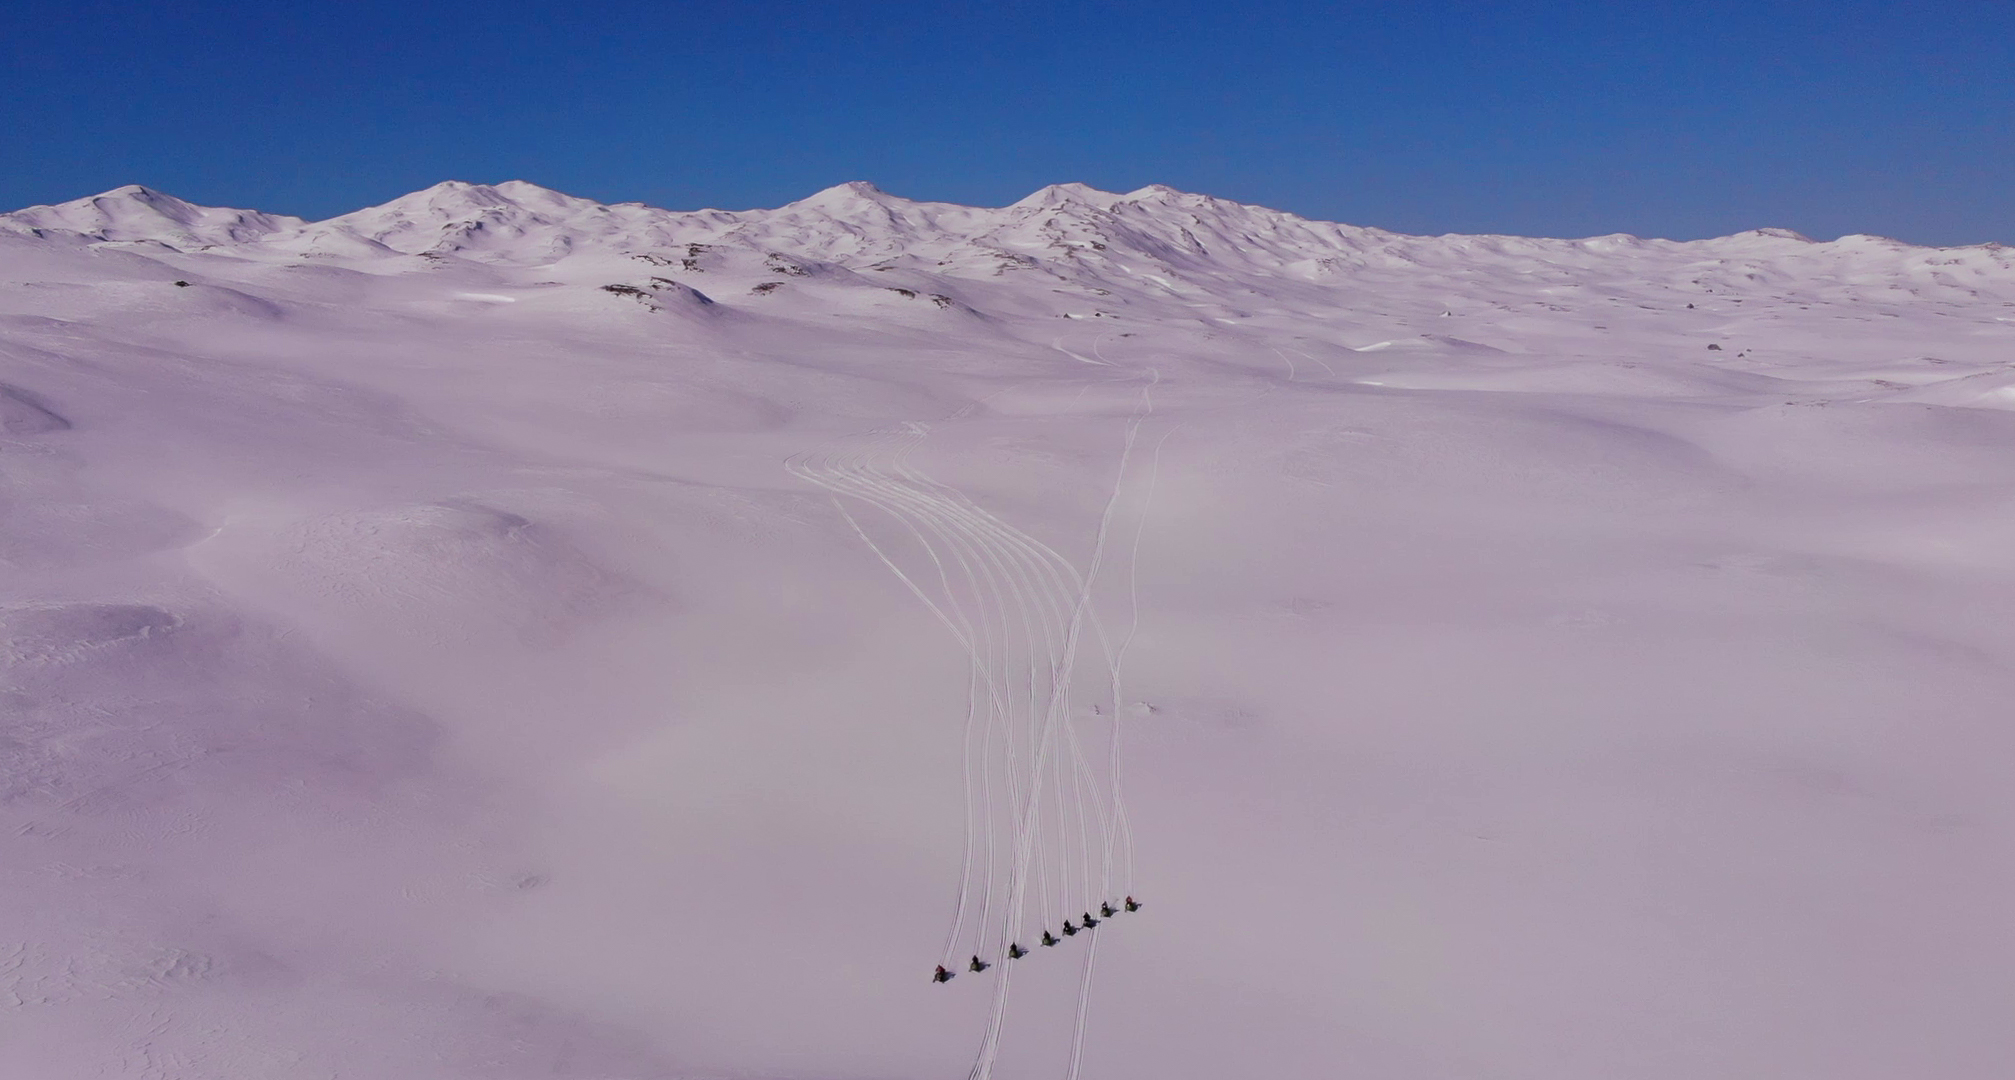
134	214
499	634
1065	229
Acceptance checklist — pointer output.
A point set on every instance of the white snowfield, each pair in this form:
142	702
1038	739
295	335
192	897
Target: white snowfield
500	635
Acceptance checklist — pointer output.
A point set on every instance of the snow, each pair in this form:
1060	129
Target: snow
497	634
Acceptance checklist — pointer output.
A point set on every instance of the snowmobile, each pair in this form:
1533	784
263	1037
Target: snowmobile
1132	904
942	975
978	964
1048	938
1106	910
1068	929
1089	922
1016	952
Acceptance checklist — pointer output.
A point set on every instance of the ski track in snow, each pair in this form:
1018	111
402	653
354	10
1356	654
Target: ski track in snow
1511	656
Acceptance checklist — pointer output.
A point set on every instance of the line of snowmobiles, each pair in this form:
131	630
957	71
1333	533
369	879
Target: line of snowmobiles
1070	929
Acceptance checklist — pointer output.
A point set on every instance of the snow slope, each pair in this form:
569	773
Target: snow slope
497	634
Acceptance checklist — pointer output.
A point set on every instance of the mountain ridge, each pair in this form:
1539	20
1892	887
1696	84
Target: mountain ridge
122	214
1154	244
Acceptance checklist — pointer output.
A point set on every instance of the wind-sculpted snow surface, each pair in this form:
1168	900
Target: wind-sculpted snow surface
498	634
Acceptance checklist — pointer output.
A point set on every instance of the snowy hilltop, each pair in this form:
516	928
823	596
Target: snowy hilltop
500	634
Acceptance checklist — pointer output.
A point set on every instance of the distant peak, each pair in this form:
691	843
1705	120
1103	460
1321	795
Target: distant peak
1068	194
852	195
852	189
1871	240
138	193
135	212
521	188
458	198
1778	234
525	193
459	189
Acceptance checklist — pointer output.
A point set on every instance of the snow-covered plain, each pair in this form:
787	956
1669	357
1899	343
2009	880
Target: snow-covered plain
1529	659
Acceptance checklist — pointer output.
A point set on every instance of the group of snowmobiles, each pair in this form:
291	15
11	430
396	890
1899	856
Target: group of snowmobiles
1070	929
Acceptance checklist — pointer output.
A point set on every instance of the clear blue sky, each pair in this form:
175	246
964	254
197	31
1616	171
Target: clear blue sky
1564	119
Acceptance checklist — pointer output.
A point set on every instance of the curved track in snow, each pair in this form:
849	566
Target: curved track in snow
1047	838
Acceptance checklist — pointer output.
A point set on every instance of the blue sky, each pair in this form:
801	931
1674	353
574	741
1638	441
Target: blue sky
1564	119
